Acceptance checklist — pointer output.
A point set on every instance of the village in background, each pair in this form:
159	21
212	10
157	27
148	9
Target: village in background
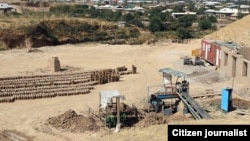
121	70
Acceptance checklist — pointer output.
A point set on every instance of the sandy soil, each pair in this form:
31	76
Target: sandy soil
27	120
237	32
30	117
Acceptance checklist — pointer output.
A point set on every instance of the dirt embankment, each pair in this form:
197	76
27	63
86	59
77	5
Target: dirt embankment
238	32
57	32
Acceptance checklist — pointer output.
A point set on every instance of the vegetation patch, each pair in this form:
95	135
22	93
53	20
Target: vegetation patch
56	32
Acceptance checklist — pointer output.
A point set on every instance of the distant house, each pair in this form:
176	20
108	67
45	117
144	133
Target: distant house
210	12
124	10
81	1
212	4
227	13
5	8
208	4
230	5
107	6
173	4
134	9
176	15
167	10
244	9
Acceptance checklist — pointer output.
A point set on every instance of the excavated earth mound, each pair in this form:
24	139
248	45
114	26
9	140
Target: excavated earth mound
72	122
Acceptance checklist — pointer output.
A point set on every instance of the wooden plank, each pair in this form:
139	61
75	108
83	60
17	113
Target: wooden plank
206	95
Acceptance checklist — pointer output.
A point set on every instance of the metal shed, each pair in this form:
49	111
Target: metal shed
107	95
109	107
168	73
210	51
173	72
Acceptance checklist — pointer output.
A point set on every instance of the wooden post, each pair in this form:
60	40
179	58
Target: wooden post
118	109
99	105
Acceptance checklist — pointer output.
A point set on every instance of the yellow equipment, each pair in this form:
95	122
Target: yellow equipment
197	57
196	52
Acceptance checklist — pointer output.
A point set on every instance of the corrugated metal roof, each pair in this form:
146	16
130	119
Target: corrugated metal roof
173	72
230	45
107	95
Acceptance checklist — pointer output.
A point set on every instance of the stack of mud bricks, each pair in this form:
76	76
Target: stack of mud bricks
56	64
133	69
105	76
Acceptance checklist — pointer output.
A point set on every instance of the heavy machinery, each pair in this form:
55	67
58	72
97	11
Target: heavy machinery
187	60
166	100
198	61
115	113
109	108
195	60
174	92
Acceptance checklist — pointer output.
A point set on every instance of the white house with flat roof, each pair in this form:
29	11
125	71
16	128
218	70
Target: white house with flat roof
5	8
176	15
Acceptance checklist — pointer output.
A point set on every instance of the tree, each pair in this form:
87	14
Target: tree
166	16
155	24
109	15
191	6
138	14
182	33
135	22
201	10
205	24
174	25
93	12
179	8
156	11
212	19
187	20
128	17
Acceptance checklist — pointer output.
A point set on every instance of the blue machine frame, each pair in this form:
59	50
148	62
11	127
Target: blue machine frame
156	99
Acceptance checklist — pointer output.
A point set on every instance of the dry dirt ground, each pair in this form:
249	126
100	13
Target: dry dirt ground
28	119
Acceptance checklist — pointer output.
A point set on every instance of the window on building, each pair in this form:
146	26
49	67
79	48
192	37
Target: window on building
245	68
225	59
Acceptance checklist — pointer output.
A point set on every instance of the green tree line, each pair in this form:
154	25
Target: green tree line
158	21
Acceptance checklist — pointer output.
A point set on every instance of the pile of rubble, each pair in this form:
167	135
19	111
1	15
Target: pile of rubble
72	122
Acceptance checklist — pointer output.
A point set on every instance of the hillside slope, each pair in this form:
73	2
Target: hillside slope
57	32
238	32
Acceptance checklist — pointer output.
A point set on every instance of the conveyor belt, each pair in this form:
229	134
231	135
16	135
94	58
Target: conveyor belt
193	106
